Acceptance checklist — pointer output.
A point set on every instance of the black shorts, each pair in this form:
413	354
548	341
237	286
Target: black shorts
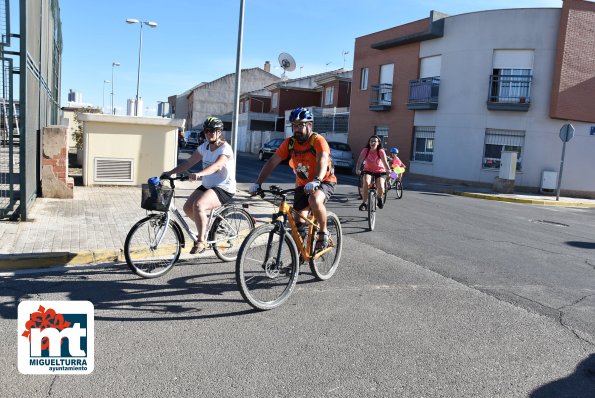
222	194
375	175
300	198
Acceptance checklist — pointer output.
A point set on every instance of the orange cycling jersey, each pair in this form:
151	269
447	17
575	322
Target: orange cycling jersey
303	161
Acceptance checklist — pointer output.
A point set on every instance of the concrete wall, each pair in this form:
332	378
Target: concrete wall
151	144
462	116
216	97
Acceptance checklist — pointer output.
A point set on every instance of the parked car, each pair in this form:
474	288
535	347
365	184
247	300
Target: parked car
341	155
268	149
192	139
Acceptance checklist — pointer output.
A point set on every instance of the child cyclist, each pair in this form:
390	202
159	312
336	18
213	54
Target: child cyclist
396	165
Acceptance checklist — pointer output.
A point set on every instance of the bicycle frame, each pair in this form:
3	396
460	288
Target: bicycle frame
213	214
285	214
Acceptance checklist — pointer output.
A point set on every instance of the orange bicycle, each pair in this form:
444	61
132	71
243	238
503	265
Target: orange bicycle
269	259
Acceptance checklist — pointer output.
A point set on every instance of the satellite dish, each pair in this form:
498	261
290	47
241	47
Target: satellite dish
287	62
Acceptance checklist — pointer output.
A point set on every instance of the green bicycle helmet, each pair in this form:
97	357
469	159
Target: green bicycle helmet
212	123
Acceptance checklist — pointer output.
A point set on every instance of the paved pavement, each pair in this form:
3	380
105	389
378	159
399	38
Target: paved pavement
92	227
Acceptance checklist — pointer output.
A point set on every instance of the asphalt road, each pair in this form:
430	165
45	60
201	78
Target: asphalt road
448	297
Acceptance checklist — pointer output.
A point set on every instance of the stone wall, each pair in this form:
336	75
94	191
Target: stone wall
55	182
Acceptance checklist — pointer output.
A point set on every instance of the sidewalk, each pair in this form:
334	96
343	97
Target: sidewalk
92	227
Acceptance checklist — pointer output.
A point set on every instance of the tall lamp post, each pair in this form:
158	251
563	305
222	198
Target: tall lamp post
114	64
103	100
140	50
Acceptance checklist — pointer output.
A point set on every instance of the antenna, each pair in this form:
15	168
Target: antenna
287	63
345	52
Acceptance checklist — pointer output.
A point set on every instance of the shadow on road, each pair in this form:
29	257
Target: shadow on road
581	245
580	384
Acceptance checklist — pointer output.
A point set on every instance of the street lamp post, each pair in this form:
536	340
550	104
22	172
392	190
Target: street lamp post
112	111
140	49
103	100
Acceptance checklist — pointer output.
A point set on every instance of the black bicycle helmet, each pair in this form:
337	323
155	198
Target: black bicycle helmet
301	115
212	123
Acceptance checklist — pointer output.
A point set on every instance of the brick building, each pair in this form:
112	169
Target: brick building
454	92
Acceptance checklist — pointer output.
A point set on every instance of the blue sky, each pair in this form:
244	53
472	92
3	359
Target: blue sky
196	40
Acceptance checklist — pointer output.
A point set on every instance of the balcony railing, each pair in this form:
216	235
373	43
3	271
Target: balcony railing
381	97
423	93
510	92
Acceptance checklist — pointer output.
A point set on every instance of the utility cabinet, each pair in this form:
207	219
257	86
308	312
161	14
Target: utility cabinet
549	180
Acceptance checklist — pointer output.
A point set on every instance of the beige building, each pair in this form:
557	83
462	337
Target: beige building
127	150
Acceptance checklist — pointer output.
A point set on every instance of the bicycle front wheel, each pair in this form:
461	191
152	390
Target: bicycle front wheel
325	266
152	247
229	231
371	209
399	189
267	267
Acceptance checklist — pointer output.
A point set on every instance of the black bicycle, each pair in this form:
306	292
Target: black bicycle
372	197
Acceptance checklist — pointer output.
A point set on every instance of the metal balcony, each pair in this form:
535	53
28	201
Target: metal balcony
423	93
510	93
381	97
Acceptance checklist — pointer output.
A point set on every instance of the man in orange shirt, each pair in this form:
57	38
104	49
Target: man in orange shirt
315	181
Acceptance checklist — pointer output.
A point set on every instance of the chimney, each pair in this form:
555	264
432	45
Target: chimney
267	66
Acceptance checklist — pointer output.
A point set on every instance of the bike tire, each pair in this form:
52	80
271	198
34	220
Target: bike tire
371	209
141	257
386	189
266	283
235	224
399	189
326	265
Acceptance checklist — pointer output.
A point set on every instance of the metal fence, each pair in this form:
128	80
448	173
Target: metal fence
29	100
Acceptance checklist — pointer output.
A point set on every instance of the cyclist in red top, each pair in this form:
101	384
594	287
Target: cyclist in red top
375	165
315	181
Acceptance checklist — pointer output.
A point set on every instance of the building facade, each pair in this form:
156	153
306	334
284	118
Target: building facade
455	92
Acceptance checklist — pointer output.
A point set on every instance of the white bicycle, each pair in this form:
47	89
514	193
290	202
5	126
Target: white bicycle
154	244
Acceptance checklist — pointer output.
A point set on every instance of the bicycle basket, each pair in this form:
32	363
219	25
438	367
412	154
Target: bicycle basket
158	202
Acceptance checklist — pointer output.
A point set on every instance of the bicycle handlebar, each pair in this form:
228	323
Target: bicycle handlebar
275	190
180	177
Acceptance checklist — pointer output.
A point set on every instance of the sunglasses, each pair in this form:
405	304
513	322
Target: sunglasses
211	131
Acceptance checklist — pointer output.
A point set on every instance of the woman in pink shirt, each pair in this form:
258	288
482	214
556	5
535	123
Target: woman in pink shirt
375	164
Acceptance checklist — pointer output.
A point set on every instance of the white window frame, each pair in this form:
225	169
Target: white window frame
382	132
428	135
364	77
329	93
275	100
499	141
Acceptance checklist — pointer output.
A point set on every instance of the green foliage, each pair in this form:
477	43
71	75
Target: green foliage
77	134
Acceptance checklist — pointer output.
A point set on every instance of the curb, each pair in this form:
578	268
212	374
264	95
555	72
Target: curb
46	260
519	200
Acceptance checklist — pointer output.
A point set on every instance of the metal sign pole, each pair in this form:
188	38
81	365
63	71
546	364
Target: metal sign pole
560	173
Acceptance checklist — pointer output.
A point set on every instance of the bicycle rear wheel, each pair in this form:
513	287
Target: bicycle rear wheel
325	266
266	276
147	257
371	209
399	189
229	231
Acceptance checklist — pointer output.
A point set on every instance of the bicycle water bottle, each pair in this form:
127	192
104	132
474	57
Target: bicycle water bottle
154	182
